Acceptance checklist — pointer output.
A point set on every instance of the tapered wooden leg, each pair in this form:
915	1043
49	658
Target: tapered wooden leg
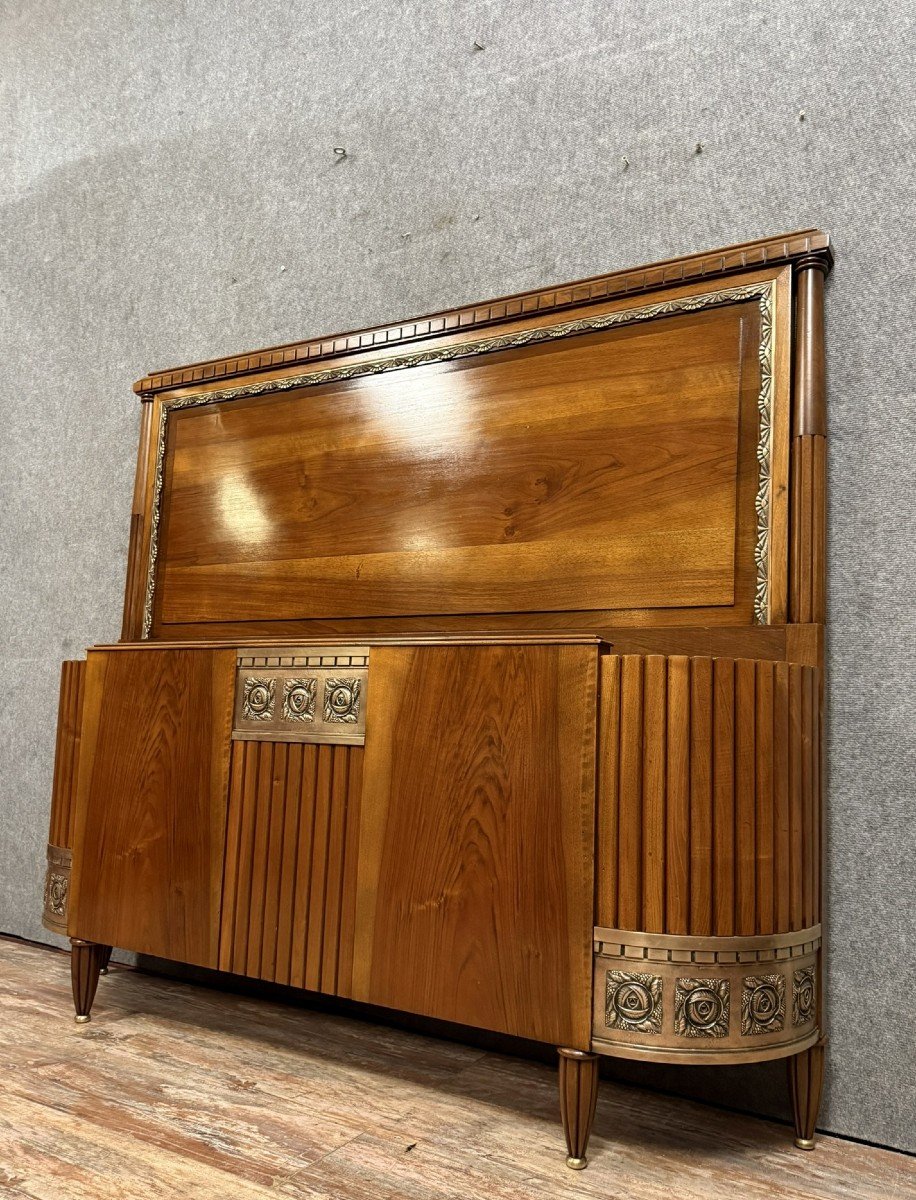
578	1097
806	1077
105	959
86	960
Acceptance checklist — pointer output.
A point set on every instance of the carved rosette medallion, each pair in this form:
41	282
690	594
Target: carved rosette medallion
57	889
314	694
803	995
763	1004
701	1008
690	983
634	1002
258	700
341	701
299	699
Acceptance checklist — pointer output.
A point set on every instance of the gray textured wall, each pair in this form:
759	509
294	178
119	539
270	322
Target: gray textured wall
169	192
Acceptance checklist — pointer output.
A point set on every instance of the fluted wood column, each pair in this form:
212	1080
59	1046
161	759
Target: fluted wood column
807	601
578	1098
806	1079
86	962
808	594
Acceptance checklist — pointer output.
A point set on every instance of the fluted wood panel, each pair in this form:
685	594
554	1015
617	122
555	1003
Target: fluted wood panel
809	529
66	756
289	880
708	820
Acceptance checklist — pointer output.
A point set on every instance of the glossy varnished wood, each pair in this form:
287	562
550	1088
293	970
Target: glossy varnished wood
66	754
602	483
809	515
578	1100
509	482
151	803
477	819
810	416
806	1079
86	962
290	870
709	793
140	515
809	447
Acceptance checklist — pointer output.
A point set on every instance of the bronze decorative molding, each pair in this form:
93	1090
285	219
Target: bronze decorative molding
698	982
57	889
763	1004
299	699
763	293
258	699
803	995
701	1007
633	1001
309	656
319	704
341	701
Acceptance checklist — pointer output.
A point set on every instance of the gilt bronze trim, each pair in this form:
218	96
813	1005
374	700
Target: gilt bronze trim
713	999
57	889
306	694
764	293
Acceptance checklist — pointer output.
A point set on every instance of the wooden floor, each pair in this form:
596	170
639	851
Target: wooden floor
178	1091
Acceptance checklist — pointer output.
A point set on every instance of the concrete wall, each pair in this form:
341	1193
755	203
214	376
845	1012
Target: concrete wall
170	192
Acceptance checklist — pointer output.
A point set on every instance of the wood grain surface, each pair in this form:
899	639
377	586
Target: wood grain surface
175	1090
151	803
614	470
809	524
477	824
289	887
709	796
66	754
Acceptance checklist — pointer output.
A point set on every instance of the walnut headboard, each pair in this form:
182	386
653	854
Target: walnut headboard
609	453
472	669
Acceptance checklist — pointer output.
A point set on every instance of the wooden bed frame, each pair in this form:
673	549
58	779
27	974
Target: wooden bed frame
473	667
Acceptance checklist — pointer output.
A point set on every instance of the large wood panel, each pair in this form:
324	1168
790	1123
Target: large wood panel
475	877
613	470
290	876
151	801
709	796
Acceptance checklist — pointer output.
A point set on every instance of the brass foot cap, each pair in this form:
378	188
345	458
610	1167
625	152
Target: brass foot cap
103	971
804	1143
576	1164
82	1019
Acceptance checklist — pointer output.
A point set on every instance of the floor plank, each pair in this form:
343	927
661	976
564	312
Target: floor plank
174	1090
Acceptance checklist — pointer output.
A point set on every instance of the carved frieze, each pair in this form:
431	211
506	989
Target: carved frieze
302	694
679	998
